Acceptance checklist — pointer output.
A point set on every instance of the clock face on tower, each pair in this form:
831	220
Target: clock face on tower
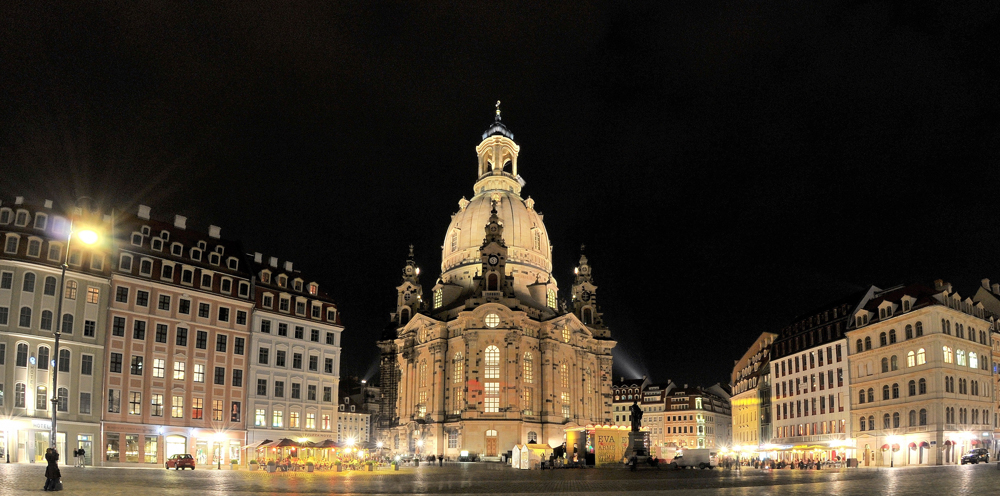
494	260
586	296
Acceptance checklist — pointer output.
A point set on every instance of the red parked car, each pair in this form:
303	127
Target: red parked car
178	462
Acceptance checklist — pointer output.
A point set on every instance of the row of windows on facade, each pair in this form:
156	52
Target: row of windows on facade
294	420
890	338
282	281
34	250
162	334
43	361
491	401
42	401
281	360
918	387
919	357
24	320
800	408
920	418
316	310
808	339
784	367
23	217
815	320
314	334
296	391
167	271
137	365
177	409
177	249
812	429
804	385
164	301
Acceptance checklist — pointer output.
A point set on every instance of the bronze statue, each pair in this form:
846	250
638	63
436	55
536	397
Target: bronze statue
636	416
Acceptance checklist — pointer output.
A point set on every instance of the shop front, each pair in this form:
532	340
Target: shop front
24	440
151	444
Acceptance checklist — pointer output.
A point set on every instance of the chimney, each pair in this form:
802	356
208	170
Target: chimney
18	200
948	285
180	222
273	262
257	257
986	282
214	231
48	203
288	266
938	284
143	212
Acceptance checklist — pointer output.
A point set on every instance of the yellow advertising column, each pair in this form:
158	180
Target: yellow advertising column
610	444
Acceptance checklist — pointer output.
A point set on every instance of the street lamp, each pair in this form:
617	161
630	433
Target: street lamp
88	237
219	438
893	441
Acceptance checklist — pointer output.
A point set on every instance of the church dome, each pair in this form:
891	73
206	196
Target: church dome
529	252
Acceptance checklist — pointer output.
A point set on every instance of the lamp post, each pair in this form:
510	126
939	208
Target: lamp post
87	237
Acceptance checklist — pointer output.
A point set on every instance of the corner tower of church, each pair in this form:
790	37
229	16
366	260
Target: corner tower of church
493	358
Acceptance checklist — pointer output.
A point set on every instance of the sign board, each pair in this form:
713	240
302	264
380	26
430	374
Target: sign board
609	446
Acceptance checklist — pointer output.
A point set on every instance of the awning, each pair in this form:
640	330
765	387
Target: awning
256	444
923	444
912	446
975	441
948	443
885	447
895	447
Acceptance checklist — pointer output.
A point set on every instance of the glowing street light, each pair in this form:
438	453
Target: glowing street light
88	237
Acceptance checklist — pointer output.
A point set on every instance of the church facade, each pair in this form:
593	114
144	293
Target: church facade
491	356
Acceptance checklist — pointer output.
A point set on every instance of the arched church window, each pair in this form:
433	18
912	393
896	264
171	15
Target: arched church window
538	240
565	334
404	316
454	241
458	367
423	373
564	375
587	316
492	362
551	299
438	298
492	282
529	372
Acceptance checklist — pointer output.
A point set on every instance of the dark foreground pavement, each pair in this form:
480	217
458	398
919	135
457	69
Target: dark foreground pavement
485	478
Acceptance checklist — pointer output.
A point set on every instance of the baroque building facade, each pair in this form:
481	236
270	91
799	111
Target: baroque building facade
491	357
751	401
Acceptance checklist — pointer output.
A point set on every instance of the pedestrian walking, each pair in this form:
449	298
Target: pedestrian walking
83	458
52	474
440	460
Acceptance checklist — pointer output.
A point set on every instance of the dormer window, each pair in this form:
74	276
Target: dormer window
297	284
157	244
41	221
906	305
265	277
202	245
195	254
220	249
5	215
282	280
227	285
313	288
177	249
316	311
22	218
331	315
267	301
213	258
145	230
137	239
165	235
232	263
206	280
244	289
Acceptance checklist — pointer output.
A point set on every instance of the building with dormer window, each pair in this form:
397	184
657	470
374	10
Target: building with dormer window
294	369
493	358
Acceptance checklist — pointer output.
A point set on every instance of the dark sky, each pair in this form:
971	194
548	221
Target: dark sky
727	164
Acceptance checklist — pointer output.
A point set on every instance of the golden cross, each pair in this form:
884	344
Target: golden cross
498	107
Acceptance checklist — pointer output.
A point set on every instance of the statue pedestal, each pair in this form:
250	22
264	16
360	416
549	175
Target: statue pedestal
636	444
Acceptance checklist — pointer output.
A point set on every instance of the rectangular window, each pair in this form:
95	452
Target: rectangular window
159	368
278	419
310	421
136	366
282	329
235	412
220	376
93	294
179	370
237	378
6	280
238	344
328	365
84	403
313	363
220	343
121	294
164	302
241	317
297	361
116	362
118	327
329	338
161	333
142	298
139	330
199	372
311	392
223	314
300	332
279	389
491	400
177	407
265	326
201	341
182	337
203	310
262	356
314	335
260	418
197	405
4	315
327	394
217	410
184	307
89	328
296	391
279	358
261	387
293	420
135	403
86	365
156	405
114	401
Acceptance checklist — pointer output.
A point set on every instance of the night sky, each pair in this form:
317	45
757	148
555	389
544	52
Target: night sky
727	164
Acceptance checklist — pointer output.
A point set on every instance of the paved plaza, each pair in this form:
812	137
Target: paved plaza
486	478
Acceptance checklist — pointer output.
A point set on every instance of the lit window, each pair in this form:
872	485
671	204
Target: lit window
492	362
492	320
565	334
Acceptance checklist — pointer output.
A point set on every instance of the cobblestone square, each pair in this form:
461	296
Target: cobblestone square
475	479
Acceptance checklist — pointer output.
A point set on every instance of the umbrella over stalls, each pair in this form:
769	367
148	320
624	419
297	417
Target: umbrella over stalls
283	447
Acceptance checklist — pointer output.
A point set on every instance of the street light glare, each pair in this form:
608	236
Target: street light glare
87	236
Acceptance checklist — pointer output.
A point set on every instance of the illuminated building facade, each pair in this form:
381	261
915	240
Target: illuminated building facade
751	401
178	344
921	377
294	368
698	418
33	242
490	357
